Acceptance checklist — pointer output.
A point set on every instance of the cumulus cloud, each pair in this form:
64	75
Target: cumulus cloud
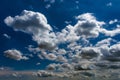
43	73
51	56
115	50
28	21
62	51
67	35
36	24
61	58
90	52
111	33
87	26
104	42
15	54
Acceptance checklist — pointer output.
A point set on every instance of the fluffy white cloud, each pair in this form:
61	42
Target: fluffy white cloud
87	26
51	56
67	35
111	32
61	58
28	21
44	73
104	42
74	39
15	54
61	51
52	67
36	24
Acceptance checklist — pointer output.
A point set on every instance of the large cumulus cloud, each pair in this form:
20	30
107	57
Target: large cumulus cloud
28	21
33	23
87	26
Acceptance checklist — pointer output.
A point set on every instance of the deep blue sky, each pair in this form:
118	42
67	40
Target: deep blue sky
57	14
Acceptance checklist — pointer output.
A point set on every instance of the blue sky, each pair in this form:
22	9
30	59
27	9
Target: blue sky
57	31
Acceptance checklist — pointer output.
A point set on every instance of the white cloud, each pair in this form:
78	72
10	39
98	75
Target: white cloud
48	6
7	36
67	35
87	26
110	33
36	24
52	66
73	38
104	42
50	1
15	54
90	52
113	21
61	58
51	56
44	73
61	51
115	50
29	22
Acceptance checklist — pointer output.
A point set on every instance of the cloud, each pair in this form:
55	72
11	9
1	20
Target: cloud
104	42
61	58
15	54
36	24
87	26
29	22
113	21
7	36
62	51
90	52
68	46
67	35
110	53
51	56
43	73
52	67
115	50
111	33
109	4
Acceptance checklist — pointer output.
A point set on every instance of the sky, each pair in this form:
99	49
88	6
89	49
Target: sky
58	34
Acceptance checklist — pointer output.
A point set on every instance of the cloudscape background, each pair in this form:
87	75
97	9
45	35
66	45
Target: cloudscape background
58	34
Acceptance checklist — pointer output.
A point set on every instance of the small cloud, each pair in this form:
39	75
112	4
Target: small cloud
48	6
38	63
61	58
7	36
109	4
110	33
51	56
15	54
90	52
113	21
